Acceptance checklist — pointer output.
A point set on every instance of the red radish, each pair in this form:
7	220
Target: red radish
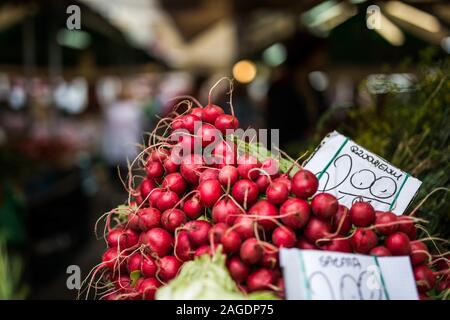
245	226
231	241
211	112
154	196
171	219
423	297
269	259
304	184
190	167
245	191
295	213
406	225
171	164
149	218
283	237
281	289
362	214
316	229
338	245
112	260
324	205
168	268
342	217
380	251
302	243
209	192
154	169
246	166
398	244
185	145
208	174
198	112
363	240
284	178
251	251
224	153
216	232
122	238
148	287
208	134
226	211
378	213
226	122
419	253
204	249
276	274
192	208
277	193
174	182
122	283
385	223
228	175
138	198
159	154
177	123
145	187
443	285
146	265
261	279
271	167
189	122
158	240
263	183
183	248
133	220
443	264
263	209
425	278
167	200
133	205
239	271
197	231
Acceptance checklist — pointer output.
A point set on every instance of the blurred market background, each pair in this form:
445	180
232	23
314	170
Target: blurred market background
74	103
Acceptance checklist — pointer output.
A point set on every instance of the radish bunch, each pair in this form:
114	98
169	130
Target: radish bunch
189	203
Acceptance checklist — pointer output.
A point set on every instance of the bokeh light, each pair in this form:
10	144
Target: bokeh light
244	71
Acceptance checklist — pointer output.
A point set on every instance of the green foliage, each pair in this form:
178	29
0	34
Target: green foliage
207	278
259	151
409	129
10	275
412	131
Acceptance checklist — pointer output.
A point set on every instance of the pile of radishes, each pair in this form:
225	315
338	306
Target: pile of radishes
190	203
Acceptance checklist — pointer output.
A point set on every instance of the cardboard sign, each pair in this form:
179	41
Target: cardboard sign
326	275
350	172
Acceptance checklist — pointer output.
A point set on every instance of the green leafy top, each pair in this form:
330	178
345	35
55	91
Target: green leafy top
207	278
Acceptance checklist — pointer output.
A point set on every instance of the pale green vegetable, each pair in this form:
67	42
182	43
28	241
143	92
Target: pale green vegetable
206	278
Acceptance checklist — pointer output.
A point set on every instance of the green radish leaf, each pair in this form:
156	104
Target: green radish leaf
135	276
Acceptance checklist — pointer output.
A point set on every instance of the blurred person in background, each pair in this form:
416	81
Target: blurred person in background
123	126
286	108
293	103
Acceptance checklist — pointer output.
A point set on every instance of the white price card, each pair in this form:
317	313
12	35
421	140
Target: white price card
350	172
326	275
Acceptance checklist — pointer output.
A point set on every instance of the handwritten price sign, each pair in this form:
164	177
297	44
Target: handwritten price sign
322	275
350	172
